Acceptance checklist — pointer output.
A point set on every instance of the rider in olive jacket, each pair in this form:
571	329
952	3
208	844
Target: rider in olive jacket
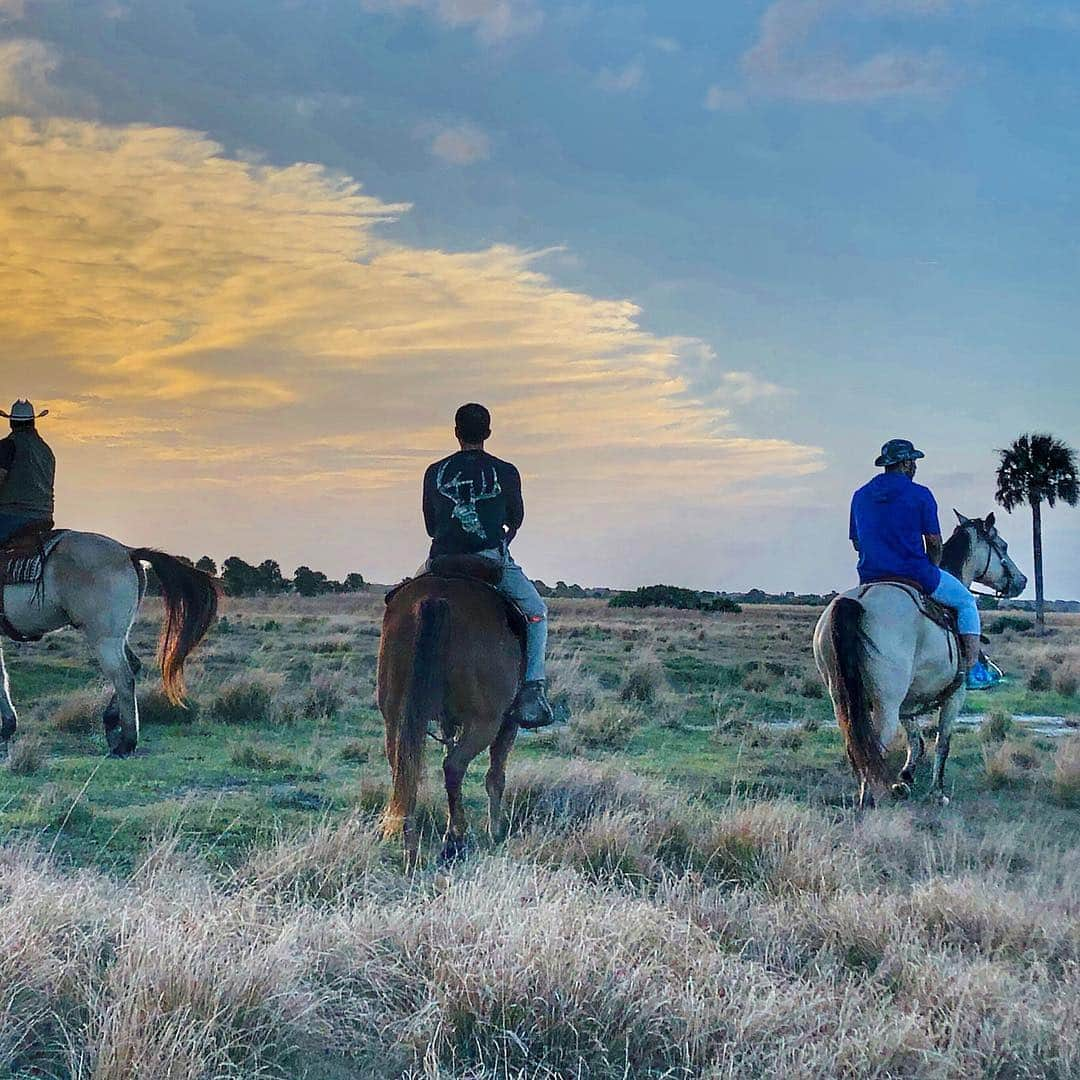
27	473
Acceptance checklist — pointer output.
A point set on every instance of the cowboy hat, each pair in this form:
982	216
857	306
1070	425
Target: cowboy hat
23	411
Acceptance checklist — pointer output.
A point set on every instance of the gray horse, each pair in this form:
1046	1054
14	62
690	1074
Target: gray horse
886	663
96	585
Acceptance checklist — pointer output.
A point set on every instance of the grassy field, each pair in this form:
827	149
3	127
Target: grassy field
686	890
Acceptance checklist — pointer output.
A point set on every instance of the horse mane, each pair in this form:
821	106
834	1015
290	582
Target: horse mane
957	551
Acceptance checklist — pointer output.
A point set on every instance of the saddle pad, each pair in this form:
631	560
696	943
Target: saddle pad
26	569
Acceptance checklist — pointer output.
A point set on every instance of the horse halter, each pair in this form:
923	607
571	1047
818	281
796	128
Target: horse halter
992	550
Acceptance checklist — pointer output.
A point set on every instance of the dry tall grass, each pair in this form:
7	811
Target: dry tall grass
622	932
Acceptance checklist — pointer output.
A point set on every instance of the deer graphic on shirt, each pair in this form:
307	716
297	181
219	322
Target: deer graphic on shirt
463	494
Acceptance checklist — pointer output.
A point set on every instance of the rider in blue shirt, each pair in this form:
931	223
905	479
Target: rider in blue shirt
895	530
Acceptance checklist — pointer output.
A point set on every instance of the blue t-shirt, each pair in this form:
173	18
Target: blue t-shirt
889	518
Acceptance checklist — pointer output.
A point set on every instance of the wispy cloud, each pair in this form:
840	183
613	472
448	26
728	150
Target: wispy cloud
621	80
788	61
492	20
180	309
718	98
26	66
461	144
707	379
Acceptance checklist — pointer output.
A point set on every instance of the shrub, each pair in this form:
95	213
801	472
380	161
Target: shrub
644	680
571	685
155	709
997	726
672	596
78	713
25	756
1009	763
812	687
1040	679
355	751
611	725
1009	622
324	697
730	713
247	698
1066	778
1067	678
254	755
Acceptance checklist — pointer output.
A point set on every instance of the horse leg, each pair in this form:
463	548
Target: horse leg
949	712
916	748
121	717
455	764
495	782
8	719
866	796
886	717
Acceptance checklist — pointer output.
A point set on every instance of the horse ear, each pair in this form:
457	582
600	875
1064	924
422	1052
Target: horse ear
990	519
960	517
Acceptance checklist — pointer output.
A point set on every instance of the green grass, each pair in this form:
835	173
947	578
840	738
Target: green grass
226	789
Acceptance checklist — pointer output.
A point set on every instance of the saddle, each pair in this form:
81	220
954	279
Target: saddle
484	572
22	562
942	616
937	613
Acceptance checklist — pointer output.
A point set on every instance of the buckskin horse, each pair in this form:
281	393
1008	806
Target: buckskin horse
887	662
450	664
96	585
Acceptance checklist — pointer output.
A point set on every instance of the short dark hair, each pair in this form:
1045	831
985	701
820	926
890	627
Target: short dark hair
472	422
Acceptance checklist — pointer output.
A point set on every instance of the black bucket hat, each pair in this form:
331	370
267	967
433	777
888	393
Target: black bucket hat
896	451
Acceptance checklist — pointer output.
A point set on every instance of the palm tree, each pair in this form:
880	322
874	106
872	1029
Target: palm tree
1037	468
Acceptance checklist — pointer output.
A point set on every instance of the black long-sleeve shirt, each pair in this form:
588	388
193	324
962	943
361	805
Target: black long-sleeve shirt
472	502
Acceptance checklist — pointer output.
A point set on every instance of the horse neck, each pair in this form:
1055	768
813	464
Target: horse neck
959	559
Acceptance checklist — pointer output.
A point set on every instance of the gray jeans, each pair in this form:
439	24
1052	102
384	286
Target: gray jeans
516	586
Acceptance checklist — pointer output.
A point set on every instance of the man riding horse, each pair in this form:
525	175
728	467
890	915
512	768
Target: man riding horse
473	506
895	530
27	474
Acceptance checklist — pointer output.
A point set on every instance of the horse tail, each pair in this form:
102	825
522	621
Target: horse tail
191	603
851	648
422	707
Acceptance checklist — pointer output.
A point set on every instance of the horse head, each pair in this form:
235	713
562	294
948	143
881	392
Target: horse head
986	558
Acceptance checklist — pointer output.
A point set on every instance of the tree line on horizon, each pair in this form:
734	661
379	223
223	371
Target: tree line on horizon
241	578
1034	469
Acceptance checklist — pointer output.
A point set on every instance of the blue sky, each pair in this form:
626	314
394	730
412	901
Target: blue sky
843	219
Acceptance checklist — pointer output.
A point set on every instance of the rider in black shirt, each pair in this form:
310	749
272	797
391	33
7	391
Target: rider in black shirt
473	506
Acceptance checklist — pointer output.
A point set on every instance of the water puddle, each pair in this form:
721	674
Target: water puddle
1037	725
1053	726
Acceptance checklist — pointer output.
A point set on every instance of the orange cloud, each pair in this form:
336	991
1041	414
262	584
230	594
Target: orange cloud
197	319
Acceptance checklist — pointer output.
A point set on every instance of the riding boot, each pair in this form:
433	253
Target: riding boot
531	710
976	675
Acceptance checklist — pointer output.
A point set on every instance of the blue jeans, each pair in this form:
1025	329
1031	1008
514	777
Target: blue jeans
10	524
516	586
953	593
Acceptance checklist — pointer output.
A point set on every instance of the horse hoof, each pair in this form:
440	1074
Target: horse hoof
943	800
901	790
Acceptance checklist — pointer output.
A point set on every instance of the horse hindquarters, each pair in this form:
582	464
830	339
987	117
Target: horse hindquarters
845	662
419	699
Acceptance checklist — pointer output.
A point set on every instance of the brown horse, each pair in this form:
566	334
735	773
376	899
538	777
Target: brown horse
448	661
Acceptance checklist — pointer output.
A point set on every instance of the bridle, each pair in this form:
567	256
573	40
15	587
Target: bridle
992	550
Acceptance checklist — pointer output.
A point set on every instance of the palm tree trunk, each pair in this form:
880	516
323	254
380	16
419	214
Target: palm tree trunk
1036	540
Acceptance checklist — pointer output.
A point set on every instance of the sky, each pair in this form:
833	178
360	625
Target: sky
699	259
